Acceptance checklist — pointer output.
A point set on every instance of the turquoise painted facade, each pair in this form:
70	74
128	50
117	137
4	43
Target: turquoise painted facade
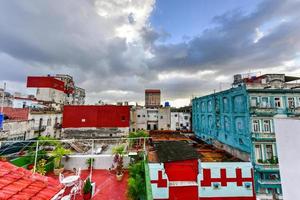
241	118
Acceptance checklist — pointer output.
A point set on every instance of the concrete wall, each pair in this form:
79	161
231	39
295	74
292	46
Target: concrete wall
288	137
49	94
234	180
180	121
17	130
231	189
141	119
94	133
101	161
164	118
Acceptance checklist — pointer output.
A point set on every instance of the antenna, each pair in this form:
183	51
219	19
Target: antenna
3	94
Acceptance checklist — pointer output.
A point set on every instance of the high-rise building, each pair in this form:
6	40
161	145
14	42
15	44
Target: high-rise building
152	98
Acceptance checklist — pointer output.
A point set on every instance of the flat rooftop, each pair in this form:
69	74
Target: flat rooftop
166	147
107	186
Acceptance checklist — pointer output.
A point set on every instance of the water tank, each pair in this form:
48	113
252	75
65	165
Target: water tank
167	104
1	120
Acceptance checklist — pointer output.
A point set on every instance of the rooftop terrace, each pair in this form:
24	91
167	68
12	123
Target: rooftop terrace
206	152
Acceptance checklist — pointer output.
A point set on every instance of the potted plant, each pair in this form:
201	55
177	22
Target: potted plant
58	153
90	162
118	161
40	168
87	189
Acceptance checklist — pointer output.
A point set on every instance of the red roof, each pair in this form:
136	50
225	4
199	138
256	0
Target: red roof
16	113
17	183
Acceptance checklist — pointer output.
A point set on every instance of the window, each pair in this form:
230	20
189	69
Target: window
257	152
254	101
186	117
144	116
161	117
226	124
139	116
267	126
49	122
265	102
225	104
203	107
277	101
123	118
291	102
269	151
209	106
255	126
175	115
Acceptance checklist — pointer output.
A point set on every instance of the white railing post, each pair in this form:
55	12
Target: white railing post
144	148
36	154
92	157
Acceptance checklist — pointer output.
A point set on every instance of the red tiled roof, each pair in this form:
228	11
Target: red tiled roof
17	183
16	113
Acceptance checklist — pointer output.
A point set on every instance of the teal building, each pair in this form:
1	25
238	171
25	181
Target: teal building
240	120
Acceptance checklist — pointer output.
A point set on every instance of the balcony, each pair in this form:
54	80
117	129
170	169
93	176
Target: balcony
57	126
263	111
263	136
269	181
265	196
267	167
293	111
38	129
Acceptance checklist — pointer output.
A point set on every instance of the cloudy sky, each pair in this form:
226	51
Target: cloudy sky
117	48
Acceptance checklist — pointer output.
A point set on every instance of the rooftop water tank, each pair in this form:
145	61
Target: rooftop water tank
167	104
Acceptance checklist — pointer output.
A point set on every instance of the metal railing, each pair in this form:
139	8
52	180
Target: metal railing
27	153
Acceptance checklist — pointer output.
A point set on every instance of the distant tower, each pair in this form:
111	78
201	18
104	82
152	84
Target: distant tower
152	98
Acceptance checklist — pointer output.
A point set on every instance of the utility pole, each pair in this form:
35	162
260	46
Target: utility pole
3	95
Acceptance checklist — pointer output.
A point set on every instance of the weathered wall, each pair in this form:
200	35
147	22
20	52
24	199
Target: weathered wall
101	161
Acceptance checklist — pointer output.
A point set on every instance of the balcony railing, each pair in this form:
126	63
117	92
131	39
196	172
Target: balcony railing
39	128
263	136
265	196
264	167
263	111
293	111
269	181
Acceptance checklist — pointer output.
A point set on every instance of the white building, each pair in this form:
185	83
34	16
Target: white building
50	95
16	130
180	121
150	118
22	102
46	123
164	118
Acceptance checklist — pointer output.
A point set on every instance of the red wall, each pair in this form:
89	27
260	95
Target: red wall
45	82
186	170
183	193
96	116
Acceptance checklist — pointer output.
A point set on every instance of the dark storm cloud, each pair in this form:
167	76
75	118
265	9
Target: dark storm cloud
79	38
230	46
